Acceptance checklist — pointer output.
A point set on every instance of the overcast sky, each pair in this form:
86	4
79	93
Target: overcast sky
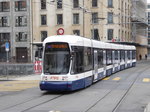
148	1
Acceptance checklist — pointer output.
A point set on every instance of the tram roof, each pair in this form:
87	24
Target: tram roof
71	39
81	41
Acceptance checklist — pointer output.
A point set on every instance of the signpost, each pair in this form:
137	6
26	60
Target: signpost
60	31
7	50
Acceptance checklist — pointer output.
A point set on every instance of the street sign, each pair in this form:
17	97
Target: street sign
7	46
38	66
60	31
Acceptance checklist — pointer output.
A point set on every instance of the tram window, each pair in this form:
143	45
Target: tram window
100	58
104	57
122	55
56	58
77	62
128	55
133	54
87	59
108	57
116	55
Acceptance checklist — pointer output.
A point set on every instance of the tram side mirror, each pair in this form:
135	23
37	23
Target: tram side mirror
72	55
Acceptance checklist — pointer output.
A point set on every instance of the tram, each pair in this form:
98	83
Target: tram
73	62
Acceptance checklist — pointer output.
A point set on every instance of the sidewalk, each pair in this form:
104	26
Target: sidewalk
23	77
28	77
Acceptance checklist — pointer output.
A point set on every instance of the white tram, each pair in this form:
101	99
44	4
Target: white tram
73	62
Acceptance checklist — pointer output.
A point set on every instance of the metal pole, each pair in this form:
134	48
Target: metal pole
7	56
7	66
83	20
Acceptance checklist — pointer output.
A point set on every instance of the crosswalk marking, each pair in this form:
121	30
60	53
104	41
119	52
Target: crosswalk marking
146	80
106	78
116	79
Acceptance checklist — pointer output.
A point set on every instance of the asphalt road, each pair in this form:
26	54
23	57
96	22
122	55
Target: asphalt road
125	91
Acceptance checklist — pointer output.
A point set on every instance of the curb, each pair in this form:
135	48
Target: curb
147	108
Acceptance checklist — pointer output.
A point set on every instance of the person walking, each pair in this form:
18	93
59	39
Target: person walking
146	56
140	56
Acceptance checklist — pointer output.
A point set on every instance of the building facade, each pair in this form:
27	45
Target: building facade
148	15
15	30
104	20
139	27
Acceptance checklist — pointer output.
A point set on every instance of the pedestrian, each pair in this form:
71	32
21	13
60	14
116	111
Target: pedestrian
140	56
146	56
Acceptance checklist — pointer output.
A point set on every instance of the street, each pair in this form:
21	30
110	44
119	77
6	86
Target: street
124	91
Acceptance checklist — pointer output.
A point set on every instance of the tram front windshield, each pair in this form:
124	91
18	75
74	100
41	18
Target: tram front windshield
56	58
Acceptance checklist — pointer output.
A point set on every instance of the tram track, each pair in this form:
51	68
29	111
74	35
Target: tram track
36	99
126	93
42	103
33	99
61	95
138	72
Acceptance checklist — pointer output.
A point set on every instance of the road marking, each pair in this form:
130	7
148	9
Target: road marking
116	79
54	111
146	80
18	85
106	78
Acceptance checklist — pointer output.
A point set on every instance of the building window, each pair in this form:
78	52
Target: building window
148	41
4	37
4	6
95	34
75	3
21	21
59	4
76	18
43	20
21	37
4	21
95	18
43	35
20	6
110	3
149	35
148	6
59	19
110	34
110	17
148	21
94	3
43	4
76	32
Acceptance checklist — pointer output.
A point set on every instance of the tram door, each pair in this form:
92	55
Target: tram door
130	58
104	62
126	59
95	65
119	60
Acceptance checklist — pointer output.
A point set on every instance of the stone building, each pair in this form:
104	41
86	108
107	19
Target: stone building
148	15
15	30
139	26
